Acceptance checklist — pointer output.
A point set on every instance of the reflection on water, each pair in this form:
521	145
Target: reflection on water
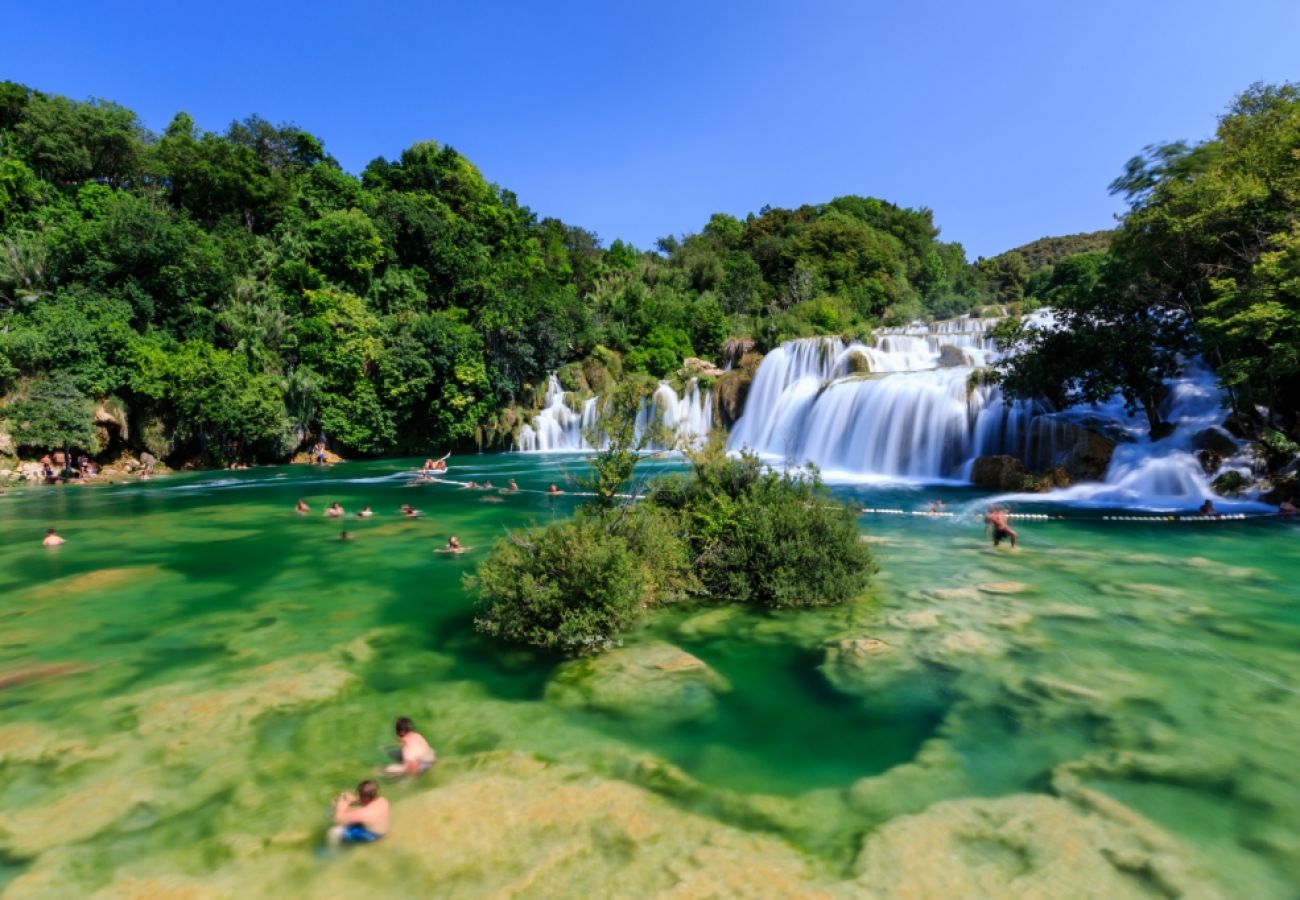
185	684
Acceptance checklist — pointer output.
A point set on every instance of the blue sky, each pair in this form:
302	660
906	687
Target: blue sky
638	120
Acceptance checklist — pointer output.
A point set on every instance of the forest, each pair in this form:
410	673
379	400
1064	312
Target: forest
213	297
220	297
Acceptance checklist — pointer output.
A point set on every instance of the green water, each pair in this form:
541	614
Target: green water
198	669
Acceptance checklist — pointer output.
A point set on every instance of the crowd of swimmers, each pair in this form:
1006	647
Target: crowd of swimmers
362	816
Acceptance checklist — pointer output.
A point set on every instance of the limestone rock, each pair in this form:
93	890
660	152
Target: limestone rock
998	473
915	620
693	366
1216	440
1026	846
1004	587
951	357
654	679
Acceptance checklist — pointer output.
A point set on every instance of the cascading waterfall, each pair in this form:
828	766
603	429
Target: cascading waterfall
557	427
916	414
903	418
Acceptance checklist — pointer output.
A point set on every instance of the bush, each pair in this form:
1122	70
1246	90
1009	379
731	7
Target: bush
766	538
570	586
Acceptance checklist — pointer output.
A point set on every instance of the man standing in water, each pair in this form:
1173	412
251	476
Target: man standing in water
360	818
999	519
52	538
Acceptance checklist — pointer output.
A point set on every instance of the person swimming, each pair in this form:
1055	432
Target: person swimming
511	486
454	545
334	510
360	818
487	485
552	489
1286	509
366	513
410	511
52	539
415	753
302	508
1207	509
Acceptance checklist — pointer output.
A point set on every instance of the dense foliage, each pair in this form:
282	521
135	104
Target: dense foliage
1206	261
728	531
239	294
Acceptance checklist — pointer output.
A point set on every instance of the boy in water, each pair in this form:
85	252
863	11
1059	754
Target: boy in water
360	818
52	539
417	756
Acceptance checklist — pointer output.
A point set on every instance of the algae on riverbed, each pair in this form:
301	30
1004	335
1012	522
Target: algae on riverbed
1088	716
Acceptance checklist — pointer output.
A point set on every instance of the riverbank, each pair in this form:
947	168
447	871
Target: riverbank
1107	708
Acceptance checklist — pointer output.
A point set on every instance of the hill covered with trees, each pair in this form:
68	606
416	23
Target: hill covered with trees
210	296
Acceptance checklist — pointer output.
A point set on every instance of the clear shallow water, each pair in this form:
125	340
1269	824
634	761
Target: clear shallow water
188	680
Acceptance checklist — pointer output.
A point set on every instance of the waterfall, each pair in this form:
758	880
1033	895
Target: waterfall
903	418
915	414
558	427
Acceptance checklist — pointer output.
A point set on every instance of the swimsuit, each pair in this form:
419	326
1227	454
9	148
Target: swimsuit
359	834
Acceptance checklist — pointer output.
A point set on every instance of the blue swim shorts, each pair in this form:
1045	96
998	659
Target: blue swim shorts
359	834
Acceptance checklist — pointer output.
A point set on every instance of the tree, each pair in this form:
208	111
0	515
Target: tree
51	414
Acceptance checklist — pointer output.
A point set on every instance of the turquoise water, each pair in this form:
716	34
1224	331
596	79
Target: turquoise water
187	681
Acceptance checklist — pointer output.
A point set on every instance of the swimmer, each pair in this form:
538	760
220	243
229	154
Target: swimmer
410	511
334	510
52	539
1207	509
487	485
471	485
302	508
366	513
415	754
455	546
436	465
1286	509
552	489
344	536
936	507
998	518
360	818
511	486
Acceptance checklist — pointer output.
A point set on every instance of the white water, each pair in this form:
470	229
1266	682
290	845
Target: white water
905	420
911	421
559	428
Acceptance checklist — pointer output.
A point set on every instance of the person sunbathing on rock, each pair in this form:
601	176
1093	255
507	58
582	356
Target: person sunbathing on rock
414	753
360	818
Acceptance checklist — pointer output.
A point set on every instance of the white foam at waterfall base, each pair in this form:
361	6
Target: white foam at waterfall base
910	421
558	428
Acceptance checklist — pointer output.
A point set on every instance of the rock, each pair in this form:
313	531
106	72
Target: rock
957	644
857	363
1240	426
1026	846
963	594
1230	483
951	357
731	389
915	620
998	473
1069	611
734	350
1209	460
708	624
1089	458
6	443
654	679
1162	430
1004	587
19	675
1216	440
1285	488
694	366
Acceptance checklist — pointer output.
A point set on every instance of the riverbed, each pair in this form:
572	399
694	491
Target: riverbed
1109	710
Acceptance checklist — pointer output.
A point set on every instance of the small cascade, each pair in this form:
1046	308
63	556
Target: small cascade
905	417
557	427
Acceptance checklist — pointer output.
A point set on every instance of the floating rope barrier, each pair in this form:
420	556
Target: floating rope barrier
1046	517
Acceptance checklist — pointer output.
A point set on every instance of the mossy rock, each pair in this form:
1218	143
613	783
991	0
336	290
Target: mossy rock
573	379
858	363
1230	484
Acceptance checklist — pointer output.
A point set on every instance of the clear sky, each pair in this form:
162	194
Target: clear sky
639	120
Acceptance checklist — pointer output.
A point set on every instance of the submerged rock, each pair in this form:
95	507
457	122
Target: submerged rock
654	679
1026	846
